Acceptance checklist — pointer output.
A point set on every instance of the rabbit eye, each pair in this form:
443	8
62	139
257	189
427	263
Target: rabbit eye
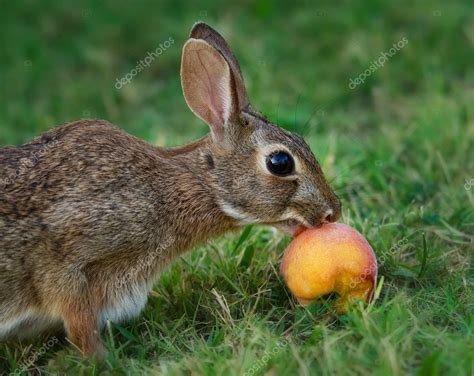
280	163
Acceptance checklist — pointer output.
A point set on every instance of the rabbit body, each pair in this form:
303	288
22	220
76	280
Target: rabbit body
91	209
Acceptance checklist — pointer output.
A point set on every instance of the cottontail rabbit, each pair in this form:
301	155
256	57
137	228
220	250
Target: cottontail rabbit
90	215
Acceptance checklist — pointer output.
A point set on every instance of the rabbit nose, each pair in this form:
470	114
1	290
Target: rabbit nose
331	215
334	211
328	216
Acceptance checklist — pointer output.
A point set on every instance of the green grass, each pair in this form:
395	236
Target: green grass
397	149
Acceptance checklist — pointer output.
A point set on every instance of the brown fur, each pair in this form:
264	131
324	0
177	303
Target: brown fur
86	203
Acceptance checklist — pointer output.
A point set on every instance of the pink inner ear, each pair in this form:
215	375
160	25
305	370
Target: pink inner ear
213	87
206	81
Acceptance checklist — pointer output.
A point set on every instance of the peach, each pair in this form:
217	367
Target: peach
332	258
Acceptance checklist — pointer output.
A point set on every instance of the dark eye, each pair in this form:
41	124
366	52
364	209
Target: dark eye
280	163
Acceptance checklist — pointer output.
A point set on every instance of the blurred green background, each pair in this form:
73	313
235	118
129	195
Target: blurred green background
398	149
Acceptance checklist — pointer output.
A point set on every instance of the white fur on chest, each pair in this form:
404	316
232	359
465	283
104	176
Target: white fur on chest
28	324
126	303
8	327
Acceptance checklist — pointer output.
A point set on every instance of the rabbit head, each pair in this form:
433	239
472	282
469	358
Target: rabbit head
260	173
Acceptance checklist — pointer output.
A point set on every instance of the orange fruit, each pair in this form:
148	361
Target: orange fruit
331	258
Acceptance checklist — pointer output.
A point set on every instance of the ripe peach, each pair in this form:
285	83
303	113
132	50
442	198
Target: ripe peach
332	258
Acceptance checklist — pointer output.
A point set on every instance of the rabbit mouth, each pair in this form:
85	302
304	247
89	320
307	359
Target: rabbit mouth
290	226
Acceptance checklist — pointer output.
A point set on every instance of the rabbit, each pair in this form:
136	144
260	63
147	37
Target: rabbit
90	215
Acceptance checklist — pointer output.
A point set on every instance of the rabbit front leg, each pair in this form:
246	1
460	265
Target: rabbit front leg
79	315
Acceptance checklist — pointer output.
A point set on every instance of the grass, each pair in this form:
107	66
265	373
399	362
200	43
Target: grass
398	150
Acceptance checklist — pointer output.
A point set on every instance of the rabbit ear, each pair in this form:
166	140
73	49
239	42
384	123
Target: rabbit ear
203	31
207	84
